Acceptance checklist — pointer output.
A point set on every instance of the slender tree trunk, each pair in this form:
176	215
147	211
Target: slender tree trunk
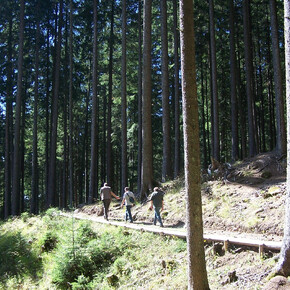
47	117
280	121
259	77
110	98
35	180
64	181
139	95
124	165
197	275
94	129
215	119
207	116
70	145
17	141
283	266
86	146
147	151
22	146
8	128
166	164
51	198
203	118
234	105
176	95
241	113
272	127
249	77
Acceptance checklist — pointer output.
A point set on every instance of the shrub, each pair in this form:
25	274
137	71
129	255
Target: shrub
72	262
85	233
48	241
17	258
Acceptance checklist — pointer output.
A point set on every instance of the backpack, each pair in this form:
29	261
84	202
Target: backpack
131	199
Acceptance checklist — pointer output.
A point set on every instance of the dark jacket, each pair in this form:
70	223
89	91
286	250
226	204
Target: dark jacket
157	198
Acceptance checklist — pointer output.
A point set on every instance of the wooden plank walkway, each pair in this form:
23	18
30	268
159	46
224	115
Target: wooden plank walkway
243	241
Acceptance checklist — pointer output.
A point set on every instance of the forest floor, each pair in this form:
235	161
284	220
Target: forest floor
241	200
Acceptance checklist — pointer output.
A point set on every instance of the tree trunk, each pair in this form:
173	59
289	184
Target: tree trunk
124	163
280	121
70	145
51	198
94	128
139	95
233	67
17	141
197	275
147	158
35	182
64	181
203	118
283	266
22	146
47	98
249	78
215	105
176	95
110	169
259	77
8	128
272	127
166	164
241	114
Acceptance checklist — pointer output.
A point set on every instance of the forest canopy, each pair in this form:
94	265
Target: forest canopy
76	97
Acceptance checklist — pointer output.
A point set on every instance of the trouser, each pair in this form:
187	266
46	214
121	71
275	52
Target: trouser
128	213
106	204
157	216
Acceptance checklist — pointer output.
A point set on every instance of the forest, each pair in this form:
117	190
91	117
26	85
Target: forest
90	92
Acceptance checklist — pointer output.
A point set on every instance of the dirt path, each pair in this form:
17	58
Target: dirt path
242	239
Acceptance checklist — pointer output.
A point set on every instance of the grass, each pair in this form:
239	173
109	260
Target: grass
52	252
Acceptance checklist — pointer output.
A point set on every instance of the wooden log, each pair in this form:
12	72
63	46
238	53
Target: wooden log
261	250
226	245
261	245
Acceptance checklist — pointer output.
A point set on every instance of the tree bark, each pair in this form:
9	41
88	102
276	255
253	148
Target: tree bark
94	128
139	95
215	105
197	275
283	266
17	142
124	164
280	121
51	198
70	145
233	69
8	127
110	166
249	78
176	95
35	181
147	158
166	162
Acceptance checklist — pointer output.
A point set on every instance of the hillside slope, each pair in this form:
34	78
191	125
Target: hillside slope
247	197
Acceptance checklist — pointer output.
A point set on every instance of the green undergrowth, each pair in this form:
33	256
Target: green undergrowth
55	252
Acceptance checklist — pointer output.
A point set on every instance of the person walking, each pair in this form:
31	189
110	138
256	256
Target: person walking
157	203
106	194
129	200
